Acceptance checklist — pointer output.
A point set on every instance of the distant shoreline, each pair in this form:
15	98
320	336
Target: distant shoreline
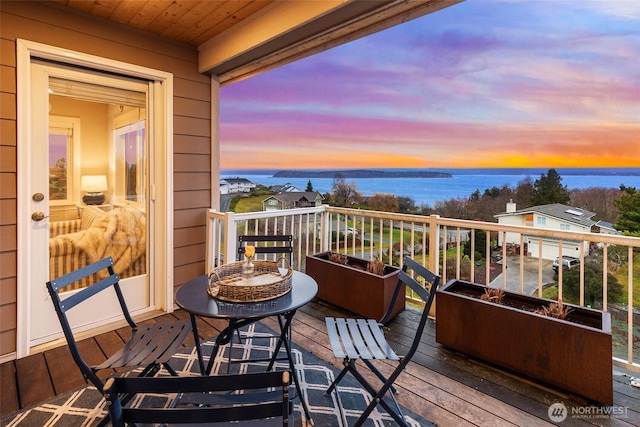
532	172
360	173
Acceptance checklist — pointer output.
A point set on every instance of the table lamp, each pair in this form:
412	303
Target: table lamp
93	185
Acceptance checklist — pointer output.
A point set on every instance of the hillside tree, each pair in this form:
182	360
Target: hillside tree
383	202
592	285
548	189
628	206
344	193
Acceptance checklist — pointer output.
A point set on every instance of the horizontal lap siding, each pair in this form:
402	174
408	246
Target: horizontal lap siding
57	26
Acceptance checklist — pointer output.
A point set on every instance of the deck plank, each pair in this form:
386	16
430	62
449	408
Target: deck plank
34	384
9	401
93	355
65	375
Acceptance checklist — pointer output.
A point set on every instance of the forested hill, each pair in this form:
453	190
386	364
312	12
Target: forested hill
360	173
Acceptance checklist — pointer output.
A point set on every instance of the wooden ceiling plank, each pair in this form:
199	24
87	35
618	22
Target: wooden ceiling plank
84	5
179	11
245	11
126	11
184	28
149	12
104	8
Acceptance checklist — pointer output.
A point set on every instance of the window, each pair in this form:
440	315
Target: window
565	226
130	163
541	220
62	133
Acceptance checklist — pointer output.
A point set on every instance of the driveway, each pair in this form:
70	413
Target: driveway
530	274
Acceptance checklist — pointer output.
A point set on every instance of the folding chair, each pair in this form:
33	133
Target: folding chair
274	246
211	401
150	346
363	339
281	244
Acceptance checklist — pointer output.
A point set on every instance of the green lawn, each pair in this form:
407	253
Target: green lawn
249	204
622	276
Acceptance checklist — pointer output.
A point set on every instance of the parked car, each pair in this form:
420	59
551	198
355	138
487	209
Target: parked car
567	263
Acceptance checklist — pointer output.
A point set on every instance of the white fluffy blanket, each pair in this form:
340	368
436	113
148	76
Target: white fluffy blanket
120	234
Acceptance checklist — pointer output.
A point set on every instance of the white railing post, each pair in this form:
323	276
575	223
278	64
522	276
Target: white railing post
210	240
434	244
230	238
325	229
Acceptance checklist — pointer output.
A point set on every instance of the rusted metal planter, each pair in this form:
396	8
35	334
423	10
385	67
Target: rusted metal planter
355	289
574	354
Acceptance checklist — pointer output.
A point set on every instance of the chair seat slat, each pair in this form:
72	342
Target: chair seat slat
357	339
382	342
378	351
142	350
334	338
343	332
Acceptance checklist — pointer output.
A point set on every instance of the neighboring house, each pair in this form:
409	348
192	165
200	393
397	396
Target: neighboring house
284	188
553	217
236	185
89	70
292	199
605	227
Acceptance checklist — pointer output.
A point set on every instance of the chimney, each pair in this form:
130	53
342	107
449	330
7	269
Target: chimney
511	207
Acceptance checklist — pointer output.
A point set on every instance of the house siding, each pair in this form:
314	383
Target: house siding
54	25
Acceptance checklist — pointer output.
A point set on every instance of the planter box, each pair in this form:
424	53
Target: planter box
574	354
353	288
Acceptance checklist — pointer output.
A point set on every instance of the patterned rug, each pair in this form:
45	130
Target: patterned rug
85	407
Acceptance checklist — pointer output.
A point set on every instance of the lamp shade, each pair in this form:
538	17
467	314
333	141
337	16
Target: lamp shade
93	183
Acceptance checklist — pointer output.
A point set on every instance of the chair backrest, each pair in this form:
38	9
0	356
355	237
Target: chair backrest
426	292
281	244
209	399
62	306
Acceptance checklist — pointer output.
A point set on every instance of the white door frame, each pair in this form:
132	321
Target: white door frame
160	173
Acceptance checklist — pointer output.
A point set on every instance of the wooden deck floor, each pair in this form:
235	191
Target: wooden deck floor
445	387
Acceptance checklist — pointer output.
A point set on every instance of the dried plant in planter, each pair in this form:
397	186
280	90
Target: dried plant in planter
376	266
555	309
492	295
338	258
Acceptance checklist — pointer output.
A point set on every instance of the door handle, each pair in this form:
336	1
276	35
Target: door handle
38	216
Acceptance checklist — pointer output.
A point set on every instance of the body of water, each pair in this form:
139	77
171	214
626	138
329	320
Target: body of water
428	191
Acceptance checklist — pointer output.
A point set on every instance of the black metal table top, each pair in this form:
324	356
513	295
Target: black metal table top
193	298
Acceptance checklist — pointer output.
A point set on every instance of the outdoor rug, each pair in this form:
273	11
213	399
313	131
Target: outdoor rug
86	407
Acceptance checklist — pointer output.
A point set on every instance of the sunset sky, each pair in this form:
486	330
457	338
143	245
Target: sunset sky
529	83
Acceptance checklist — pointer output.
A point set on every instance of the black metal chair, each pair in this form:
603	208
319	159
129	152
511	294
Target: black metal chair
363	339
276	246
268	244
150	346
211	401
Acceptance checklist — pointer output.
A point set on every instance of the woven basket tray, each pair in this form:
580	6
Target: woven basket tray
227	283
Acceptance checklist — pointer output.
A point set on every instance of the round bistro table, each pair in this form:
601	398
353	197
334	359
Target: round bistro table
193	298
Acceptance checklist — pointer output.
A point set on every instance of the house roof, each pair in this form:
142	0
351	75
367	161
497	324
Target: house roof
557	210
239	38
237	180
295	196
605	224
284	188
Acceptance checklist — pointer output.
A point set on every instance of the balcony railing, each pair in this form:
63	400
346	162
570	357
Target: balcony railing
440	244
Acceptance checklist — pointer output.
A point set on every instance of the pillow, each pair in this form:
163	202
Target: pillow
89	215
